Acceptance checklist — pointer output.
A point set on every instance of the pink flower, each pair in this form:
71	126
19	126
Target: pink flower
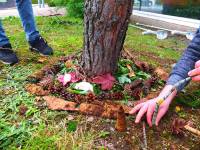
68	77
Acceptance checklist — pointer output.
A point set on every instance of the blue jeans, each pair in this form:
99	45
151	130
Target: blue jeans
27	18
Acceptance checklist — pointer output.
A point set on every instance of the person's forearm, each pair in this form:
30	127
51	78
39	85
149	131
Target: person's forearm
167	89
186	63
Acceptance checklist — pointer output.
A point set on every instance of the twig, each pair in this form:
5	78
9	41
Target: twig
144	136
129	54
192	130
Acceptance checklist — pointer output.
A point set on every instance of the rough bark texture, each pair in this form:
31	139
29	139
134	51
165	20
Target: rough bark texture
106	23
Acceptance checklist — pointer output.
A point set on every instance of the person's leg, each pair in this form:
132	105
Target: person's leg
36	42
26	14
3	38
7	56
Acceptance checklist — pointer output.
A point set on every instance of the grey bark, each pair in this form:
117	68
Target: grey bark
106	23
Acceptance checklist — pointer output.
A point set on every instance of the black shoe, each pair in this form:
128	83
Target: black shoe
40	45
7	46
7	56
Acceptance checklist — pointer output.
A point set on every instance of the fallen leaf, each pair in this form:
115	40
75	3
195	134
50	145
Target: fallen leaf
124	79
143	66
72	126
42	60
36	90
55	103
162	73
177	109
84	86
131	72
69	64
106	81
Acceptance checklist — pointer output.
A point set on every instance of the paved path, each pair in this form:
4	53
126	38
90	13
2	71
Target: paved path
46	11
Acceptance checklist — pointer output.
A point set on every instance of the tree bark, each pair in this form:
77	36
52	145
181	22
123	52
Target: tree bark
106	23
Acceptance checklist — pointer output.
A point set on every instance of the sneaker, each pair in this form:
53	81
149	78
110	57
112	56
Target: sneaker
40	45
7	46
7	56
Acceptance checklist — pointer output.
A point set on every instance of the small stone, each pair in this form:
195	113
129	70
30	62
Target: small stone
90	119
112	129
70	117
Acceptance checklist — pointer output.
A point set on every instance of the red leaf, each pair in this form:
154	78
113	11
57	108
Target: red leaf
106	81
74	77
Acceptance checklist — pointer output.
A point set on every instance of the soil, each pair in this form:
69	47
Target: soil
160	137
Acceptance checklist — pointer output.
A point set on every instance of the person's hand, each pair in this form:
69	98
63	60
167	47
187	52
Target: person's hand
149	107
195	72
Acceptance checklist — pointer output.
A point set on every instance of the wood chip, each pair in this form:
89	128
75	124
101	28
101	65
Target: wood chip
54	103
36	90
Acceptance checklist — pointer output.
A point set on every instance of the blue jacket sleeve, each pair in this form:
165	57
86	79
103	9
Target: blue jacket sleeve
186	63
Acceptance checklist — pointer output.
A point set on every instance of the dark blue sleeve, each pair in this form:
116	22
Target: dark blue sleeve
186	63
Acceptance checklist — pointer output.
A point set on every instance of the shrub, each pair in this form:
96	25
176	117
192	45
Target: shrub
74	8
187	11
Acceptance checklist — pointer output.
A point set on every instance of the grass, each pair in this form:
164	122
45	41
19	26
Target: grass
45	129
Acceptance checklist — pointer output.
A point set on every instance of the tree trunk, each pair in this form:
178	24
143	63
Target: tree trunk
106	23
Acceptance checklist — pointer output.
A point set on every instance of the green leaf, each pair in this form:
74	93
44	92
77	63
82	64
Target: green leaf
124	62
122	70
117	88
142	75
76	91
97	89
104	134
72	126
124	79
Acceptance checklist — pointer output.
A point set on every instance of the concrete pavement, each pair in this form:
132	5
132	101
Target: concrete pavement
46	11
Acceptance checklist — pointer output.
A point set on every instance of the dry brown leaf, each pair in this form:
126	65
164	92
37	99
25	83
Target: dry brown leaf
55	103
36	90
37	76
69	64
143	66
131	72
121	125
162	73
51	67
42	60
